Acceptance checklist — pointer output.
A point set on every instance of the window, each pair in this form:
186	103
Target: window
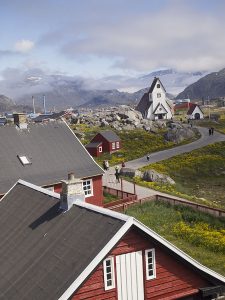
100	149
158	95
150	264
87	187
109	280
117	145
158	86
24	160
113	146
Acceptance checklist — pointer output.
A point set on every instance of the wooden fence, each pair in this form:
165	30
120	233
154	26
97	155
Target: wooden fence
128	199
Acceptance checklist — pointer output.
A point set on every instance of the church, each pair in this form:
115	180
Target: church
154	104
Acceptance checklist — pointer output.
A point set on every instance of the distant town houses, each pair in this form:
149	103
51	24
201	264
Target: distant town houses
193	111
104	142
44	153
57	246
154	104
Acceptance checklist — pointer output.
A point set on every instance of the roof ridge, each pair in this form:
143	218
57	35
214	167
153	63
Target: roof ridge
38	188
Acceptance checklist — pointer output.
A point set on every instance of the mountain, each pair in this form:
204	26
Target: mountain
210	86
63	91
173	81
5	103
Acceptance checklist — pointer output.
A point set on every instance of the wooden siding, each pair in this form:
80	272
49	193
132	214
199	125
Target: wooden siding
173	280
106	145
97	198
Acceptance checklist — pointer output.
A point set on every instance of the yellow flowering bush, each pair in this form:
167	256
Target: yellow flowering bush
201	234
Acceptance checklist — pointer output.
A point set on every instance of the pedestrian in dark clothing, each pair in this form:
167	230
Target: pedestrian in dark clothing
210	131
106	164
123	164
148	157
117	174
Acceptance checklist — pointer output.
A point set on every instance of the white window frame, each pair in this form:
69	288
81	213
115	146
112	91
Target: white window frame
159	95
150	266
158	85
89	184
112	272
24	160
117	145
113	146
100	149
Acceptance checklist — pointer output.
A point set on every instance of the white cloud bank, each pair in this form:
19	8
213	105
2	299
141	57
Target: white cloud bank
24	46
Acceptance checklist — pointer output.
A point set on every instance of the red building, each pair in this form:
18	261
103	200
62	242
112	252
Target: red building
83	251
44	153
104	142
95	149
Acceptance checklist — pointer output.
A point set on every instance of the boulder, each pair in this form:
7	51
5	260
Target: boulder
130	172
153	176
178	135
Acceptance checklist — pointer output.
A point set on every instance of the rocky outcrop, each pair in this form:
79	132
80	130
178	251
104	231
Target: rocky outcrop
178	133
130	172
153	176
120	118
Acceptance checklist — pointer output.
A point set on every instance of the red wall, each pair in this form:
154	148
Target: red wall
97	197
93	151
173	279
106	146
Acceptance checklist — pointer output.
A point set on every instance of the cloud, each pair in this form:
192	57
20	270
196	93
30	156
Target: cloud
24	46
177	37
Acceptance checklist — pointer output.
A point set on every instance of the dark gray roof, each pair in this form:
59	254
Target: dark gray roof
110	136
93	145
53	150
144	104
42	250
154	83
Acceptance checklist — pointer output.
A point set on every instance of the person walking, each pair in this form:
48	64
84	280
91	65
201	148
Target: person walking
148	157
107	164
117	174
212	130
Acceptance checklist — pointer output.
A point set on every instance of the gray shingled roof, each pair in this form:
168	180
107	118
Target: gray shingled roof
144	104
42	250
53	150
110	136
93	145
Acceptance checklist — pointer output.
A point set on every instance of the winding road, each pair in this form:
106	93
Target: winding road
205	139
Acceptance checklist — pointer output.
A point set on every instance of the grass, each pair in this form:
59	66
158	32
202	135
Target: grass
218	125
199	175
107	198
135	143
166	219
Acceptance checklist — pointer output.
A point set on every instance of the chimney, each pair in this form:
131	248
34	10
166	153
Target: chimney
72	190
20	120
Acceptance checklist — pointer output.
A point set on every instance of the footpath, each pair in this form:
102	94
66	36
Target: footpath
109	179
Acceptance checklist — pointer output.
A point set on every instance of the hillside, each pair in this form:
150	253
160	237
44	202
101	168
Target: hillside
5	103
210	86
64	91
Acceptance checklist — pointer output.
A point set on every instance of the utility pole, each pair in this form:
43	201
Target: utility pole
209	107
33	105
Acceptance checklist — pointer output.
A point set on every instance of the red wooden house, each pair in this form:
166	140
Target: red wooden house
110	142
44	153
95	148
83	251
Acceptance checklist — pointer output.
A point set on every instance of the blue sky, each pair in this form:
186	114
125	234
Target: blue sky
97	38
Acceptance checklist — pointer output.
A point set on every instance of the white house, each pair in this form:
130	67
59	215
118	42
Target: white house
154	104
195	112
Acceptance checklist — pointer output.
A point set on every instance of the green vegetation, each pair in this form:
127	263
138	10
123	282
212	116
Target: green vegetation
200	235
109	198
199	174
218	125
135	143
